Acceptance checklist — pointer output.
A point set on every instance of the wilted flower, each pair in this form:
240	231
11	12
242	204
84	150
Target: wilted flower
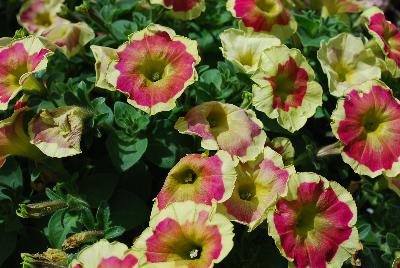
269	16
104	56
185	234
103	254
50	258
226	127
244	48
284	147
347	62
14	140
258	185
386	35
198	178
154	67
182	9
57	132
285	88
69	37
314	224
19	61
366	121
39	15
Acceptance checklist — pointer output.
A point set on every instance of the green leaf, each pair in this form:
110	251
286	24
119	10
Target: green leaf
122	28
103	115
114	232
213	77
125	154
128	210
392	240
129	118
8	242
103	216
98	187
88	219
61	224
11	174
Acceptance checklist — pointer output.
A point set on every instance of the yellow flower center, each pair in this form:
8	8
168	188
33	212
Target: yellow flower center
306	219
372	121
247	58
217	120
186	176
247	191
269	6
153	69
43	19
343	71
188	249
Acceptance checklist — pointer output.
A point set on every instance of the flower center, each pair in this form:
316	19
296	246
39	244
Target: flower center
284	86
153	70
306	219
268	6
246	59
187	176
247	191
217	118
195	253
343	71
188	250
371	121
43	19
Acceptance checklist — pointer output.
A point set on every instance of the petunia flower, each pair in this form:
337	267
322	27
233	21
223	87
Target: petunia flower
367	122
396	263
103	56
69	37
268	16
347	62
394	183
104	254
314	224
185	234
258	185
39	15
285	88
14	140
182	9
154	67
226	127
202	179
333	7
244	48
386	35
57	132
19	61
284	147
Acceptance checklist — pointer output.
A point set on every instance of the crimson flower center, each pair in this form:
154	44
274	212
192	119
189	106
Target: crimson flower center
306	219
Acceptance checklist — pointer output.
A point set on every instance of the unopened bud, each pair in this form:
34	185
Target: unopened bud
78	239
52	258
37	210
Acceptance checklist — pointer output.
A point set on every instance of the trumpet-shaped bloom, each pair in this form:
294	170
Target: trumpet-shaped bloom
335	7
346	62
258	185
154	67
367	122
285	88
57	132
104	254
103	56
244	48
313	225
39	15
182	9
284	147
198	178
394	184
226	127
14	140
19	60
387	35
269	16
69	37
185	234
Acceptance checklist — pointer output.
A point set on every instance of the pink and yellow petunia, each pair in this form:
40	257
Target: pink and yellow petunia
182	9
284	147
103	56
386	35
347	62
202	179
154	67
333	7
104	254
39	15
14	140
69	37
268	16
285	88
226	127
258	185
19	61
314	224
57	132
185	234
244	48
367	122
